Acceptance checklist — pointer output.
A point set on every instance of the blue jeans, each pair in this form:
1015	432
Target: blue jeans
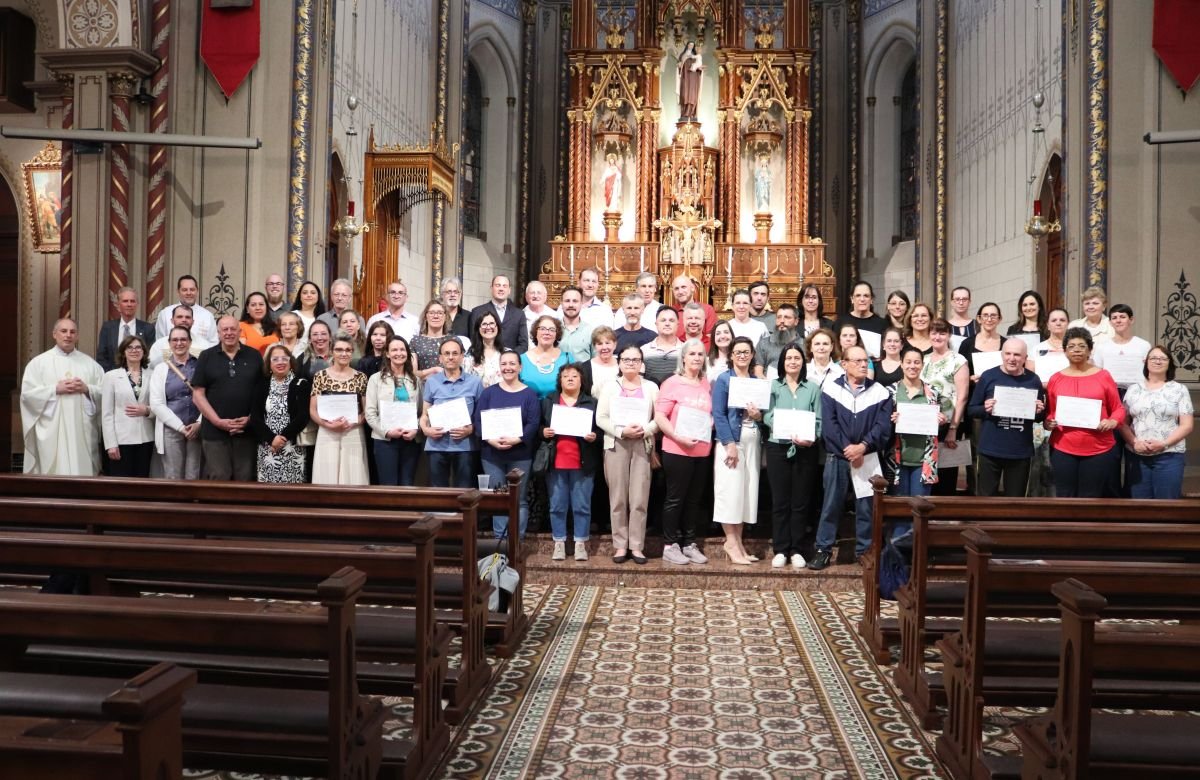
497	471
909	484
463	464
1154	476
396	461
837	482
570	489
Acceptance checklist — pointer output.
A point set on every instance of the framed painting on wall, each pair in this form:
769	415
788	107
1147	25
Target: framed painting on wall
43	193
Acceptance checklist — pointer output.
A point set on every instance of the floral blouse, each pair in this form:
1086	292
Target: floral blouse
1154	414
939	373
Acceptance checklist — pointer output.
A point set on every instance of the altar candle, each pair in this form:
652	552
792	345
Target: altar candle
765	263
729	264
606	260
642	261
572	262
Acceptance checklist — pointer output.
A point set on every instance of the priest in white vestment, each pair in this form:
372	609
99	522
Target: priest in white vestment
60	408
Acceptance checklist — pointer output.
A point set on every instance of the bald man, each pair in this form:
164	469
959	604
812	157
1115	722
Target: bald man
1006	443
223	391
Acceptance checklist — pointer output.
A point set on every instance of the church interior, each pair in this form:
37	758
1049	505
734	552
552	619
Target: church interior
917	145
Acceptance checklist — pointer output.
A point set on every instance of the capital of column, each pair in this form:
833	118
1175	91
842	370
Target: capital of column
123	84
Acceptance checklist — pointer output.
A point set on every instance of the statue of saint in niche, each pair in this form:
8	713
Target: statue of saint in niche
612	184
762	185
688	76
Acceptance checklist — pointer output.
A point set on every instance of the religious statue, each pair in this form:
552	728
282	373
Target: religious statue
612	184
762	185
688	76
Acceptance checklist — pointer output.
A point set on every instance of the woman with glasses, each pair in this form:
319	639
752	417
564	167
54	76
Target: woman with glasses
397	448
504	451
946	371
1159	420
629	430
176	418
812	310
125	416
1083	458
897	309
428	341
483	358
737	464
279	414
541	363
309	305
258	329
339	456
986	339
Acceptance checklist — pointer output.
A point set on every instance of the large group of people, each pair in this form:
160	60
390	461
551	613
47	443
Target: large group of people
655	397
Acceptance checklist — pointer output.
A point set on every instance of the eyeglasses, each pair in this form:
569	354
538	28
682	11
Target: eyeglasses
854	360
343	350
132	347
397	292
1157	359
989	316
274	284
742	353
179	340
631	361
547	330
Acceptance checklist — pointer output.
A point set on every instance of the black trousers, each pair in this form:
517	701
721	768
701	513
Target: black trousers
1083	476
134	462
682	508
1014	472
793	520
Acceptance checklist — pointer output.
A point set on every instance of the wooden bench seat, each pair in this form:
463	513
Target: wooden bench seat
143	742
330	730
1074	741
975	673
504	629
288	528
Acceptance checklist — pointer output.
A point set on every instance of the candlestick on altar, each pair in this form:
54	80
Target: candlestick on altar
729	279
572	263
642	261
606	259
607	279
766	262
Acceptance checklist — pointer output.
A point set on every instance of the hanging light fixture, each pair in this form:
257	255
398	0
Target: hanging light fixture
1040	225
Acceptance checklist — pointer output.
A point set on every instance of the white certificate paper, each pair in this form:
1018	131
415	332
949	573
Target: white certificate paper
625	411
953	458
982	361
788	424
744	391
956	342
1019	402
402	415
1125	369
449	415
861	476
501	423
1077	412
872	341
332	406
917	419
1032	340
692	423
1046	366
571	421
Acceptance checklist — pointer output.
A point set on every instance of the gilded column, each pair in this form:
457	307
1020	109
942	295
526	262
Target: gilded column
869	180
814	182
941	163
66	243
853	41
156	200
732	174
299	168
440	115
120	91
564	127
1097	144
525	253
646	178
797	175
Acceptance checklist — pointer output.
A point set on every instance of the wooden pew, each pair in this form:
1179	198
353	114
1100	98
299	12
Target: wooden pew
410	646
333	731
504	629
466	683
1073	742
1016	664
144	741
878	633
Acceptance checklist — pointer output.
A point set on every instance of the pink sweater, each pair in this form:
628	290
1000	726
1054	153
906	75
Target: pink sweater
675	393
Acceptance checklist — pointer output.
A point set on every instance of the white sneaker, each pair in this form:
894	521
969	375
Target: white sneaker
778	561
693	554
560	551
580	551
798	561
672	554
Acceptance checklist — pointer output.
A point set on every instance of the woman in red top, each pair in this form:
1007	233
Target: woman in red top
1083	458
258	329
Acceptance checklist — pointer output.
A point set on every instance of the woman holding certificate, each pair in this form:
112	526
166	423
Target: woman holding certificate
1160	420
1084	409
794	420
915	455
625	412
573	458
340	454
393	410
946	371
507	416
737	415
986	340
279	414
683	413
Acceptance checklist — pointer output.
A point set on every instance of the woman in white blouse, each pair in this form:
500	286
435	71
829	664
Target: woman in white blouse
125	417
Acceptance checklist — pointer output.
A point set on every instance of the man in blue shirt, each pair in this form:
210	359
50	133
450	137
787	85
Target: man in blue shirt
1006	443
453	449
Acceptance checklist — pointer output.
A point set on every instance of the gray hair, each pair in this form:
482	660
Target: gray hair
683	351
454	280
646	275
631	298
342	282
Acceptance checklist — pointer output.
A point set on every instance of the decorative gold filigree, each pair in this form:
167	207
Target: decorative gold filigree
614	85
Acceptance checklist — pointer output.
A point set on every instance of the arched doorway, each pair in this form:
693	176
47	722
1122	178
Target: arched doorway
1050	269
10	249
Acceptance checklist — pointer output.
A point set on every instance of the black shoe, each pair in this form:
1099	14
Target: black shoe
638	559
821	560
621	558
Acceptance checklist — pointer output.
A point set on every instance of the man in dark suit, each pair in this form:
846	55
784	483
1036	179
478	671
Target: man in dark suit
113	332
512	317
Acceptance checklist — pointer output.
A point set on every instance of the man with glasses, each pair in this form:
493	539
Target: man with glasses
341	295
223	391
402	323
276	300
856	428
180	318
458	319
451	450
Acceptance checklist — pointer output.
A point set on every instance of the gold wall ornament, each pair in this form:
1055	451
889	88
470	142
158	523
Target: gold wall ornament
613	86
43	197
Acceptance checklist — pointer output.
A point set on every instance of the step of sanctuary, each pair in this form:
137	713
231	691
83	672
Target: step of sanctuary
718	574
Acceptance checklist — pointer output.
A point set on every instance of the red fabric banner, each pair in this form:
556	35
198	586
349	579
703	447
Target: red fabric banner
229	44
1177	39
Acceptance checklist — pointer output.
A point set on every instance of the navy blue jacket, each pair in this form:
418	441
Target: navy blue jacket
849	418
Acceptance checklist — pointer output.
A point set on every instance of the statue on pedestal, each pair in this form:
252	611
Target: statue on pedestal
762	185
689	75
612	184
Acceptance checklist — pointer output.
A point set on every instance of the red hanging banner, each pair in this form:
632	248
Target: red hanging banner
229	41
1177	39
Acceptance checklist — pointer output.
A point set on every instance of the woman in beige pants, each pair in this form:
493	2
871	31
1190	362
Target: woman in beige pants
625	413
